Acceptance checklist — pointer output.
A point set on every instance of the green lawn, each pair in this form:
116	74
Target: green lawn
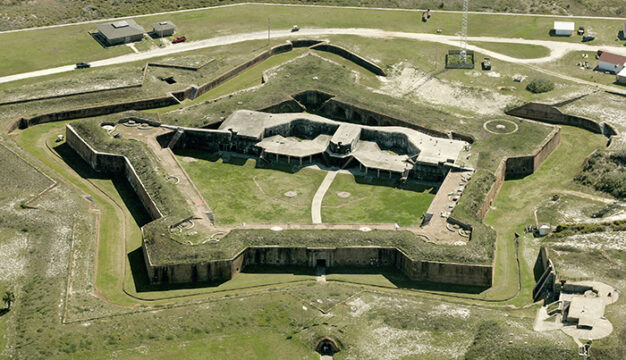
520	51
516	200
71	44
369	203
240	192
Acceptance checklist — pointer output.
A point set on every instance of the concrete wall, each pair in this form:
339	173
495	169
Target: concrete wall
71	94
550	114
98	111
350	257
336	109
242	67
446	273
518	166
112	164
493	191
351	57
206	139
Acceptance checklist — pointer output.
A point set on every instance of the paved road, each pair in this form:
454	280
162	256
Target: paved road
557	48
316	206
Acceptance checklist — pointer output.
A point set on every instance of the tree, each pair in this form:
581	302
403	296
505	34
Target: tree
540	85
8	298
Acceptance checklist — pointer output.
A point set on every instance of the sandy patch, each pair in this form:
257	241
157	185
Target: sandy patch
189	159
614	240
456	312
406	81
360	305
343	194
12	257
291	194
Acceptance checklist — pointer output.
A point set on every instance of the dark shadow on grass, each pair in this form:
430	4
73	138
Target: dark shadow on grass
77	164
131	200
4	311
410	185
239	160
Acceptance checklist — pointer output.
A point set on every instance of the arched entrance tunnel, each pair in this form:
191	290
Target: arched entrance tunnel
327	346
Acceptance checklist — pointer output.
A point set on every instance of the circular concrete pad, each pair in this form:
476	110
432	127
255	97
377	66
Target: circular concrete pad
291	194
343	194
501	126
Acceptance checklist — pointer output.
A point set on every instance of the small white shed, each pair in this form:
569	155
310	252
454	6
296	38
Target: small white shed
563	28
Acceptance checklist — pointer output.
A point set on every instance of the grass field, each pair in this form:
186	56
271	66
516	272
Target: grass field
520	51
375	203
72	44
238	192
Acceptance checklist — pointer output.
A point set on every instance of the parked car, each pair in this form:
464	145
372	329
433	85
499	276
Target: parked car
587	38
179	39
581	30
486	64
83	65
295	28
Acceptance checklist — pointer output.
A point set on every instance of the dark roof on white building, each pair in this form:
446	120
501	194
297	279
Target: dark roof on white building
120	29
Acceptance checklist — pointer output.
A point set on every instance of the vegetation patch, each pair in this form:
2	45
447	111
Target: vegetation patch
604	171
540	85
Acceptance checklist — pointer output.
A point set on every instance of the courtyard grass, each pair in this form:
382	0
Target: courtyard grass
238	192
72	44
375	202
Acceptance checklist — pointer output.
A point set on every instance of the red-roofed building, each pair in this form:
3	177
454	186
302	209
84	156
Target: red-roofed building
611	62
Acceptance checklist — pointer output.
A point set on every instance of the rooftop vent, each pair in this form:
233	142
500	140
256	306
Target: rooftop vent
120	24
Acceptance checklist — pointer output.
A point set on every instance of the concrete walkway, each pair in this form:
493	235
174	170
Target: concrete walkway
316	206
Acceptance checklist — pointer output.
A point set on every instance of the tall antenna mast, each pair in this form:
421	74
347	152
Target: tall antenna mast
463	55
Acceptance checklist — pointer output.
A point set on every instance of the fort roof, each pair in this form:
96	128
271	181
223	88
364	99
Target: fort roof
346	134
425	148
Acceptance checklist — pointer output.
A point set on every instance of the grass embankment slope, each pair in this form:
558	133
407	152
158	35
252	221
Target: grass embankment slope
72	44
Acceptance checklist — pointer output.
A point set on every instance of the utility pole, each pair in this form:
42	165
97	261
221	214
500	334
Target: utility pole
268	31
463	57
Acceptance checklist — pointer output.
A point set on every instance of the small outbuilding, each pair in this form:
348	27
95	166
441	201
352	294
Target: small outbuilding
611	62
564	28
163	29
621	77
120	32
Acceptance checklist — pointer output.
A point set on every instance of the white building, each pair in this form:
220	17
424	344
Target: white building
621	77
611	62
563	28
